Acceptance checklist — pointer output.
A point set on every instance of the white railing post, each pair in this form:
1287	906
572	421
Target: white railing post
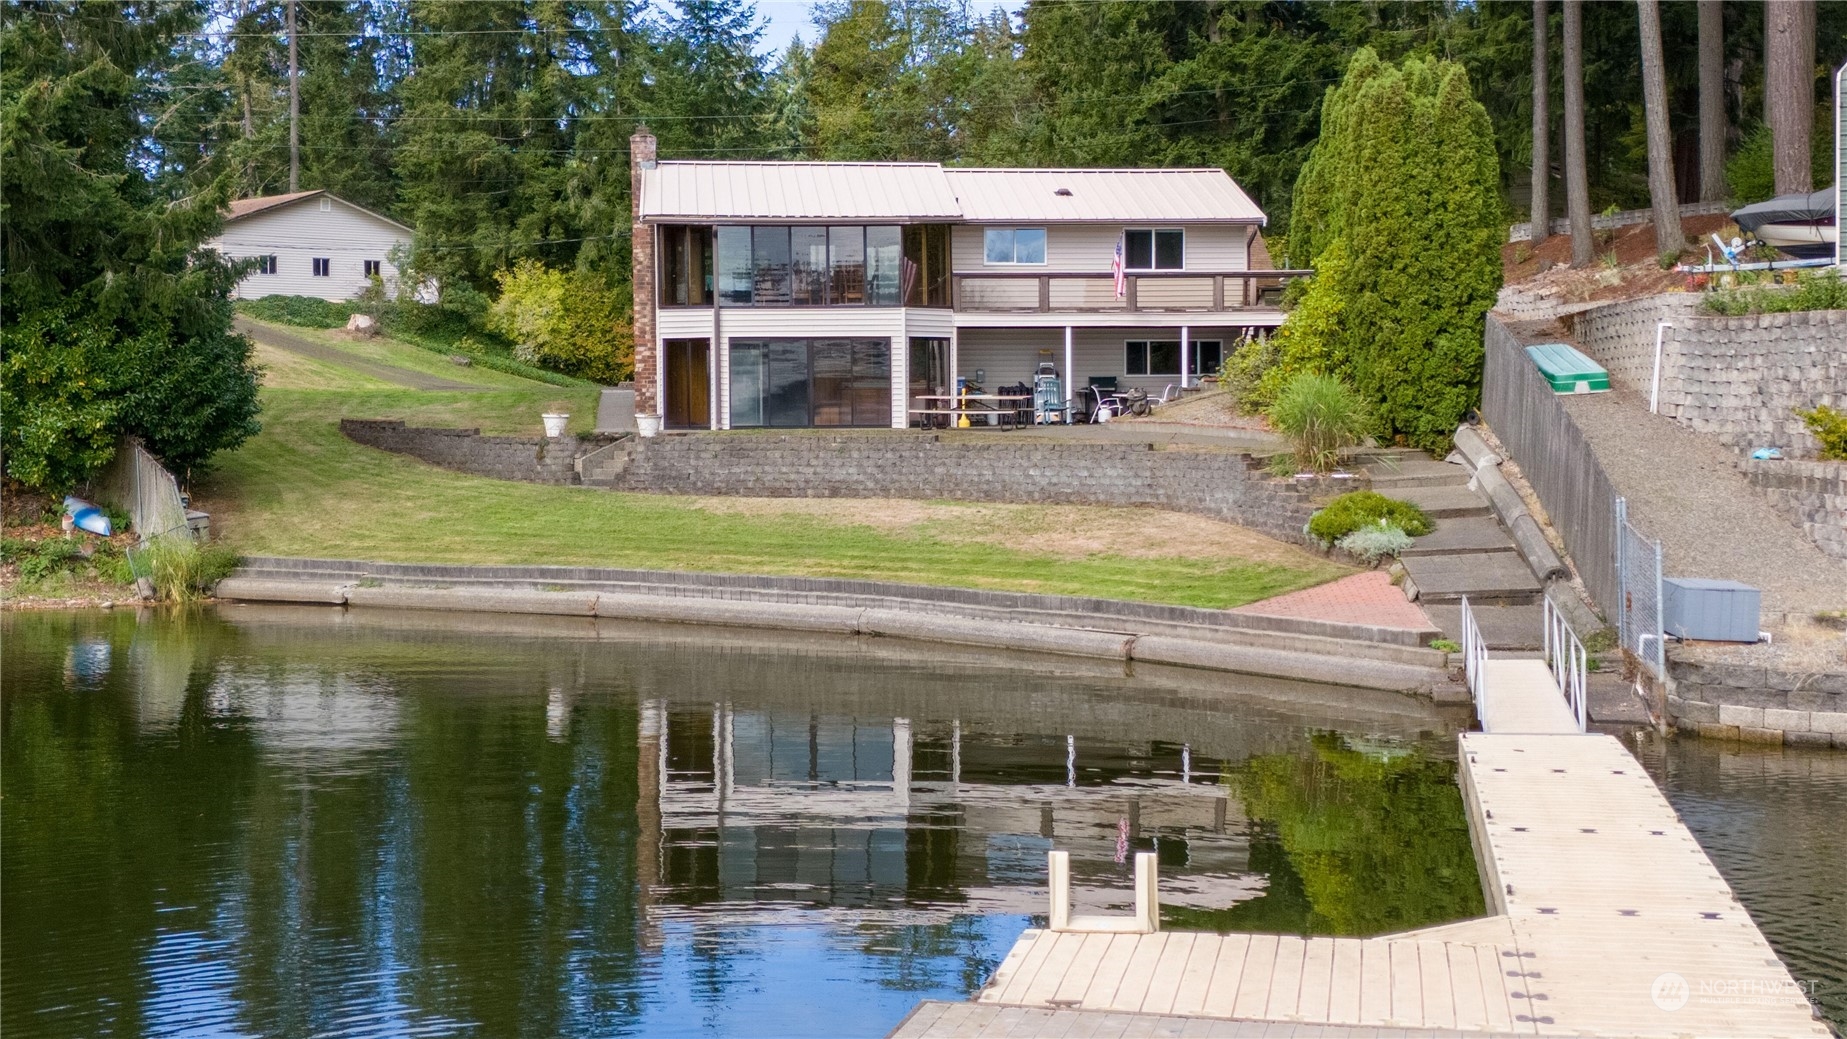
1059	919
1148	891
1568	662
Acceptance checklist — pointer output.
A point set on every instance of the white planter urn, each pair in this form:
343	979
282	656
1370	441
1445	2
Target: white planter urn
554	423
648	425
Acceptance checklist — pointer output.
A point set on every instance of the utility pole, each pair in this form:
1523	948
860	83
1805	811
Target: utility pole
294	106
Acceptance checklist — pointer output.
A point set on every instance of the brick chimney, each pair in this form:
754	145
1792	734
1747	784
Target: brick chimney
641	247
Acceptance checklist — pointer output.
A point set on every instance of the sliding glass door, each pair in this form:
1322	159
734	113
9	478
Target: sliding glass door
795	383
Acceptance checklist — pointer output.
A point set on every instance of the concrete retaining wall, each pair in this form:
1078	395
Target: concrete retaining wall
1740	379
1286	647
1762	705
1218	484
1812	494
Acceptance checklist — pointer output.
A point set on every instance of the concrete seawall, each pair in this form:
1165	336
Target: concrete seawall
1364	656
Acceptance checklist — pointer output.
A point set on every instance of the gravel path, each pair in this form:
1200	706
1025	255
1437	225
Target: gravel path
308	348
1684	488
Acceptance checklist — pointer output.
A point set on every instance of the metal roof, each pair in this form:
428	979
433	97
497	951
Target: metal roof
797	191
1101	196
777	191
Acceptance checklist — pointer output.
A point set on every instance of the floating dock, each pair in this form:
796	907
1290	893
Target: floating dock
1608	920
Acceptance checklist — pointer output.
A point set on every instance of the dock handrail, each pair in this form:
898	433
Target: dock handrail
1566	657
1474	654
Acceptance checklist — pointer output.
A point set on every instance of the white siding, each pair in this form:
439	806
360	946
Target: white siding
1212	248
299	232
1011	356
805	323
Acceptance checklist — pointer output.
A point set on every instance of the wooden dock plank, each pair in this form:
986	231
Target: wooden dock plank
1407	984
1286	978
1493	969
1254	982
1439	1001
1009	966
1317	980
1052	970
1344	983
1110	971
1015	988
1465	987
1138	973
1222	995
1196	977
1159	998
1375	983
1081	977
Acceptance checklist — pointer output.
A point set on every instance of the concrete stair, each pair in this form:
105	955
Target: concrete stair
604	466
1468	555
1455	501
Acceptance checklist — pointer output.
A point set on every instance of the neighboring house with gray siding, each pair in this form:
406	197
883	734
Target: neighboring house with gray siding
786	294
310	243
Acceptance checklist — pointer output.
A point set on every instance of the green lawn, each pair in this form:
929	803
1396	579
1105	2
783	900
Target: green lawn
385	350
302	489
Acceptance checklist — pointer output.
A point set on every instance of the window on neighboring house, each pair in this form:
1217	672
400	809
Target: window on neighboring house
321	266
372	269
1013	245
326	205
1162	357
1160	250
266	265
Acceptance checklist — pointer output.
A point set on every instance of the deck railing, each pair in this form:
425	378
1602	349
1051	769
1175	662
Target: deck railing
1474	655
1566	657
1144	292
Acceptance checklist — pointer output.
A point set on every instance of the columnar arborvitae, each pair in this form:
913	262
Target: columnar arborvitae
1399	207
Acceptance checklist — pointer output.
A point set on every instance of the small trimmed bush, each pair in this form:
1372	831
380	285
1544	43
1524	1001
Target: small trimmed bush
1829	427
1322	416
1376	541
1358	509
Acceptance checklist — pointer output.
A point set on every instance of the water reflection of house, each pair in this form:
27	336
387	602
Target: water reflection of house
765	813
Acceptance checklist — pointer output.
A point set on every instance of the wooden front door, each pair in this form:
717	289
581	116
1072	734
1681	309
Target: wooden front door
689	384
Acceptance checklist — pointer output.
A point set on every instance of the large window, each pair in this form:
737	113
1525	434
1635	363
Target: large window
808	266
1162	357
1159	250
1002	245
686	266
810	382
926	265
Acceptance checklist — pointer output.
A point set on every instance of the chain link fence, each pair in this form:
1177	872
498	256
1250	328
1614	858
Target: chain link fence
1638	571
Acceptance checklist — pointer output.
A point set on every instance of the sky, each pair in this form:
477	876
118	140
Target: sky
783	20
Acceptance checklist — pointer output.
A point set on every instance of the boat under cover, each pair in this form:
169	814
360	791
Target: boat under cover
1802	224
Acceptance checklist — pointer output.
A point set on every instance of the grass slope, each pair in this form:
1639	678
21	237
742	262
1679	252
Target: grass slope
301	489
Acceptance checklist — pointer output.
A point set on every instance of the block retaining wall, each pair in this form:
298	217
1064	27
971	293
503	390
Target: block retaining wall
1740	379
1220	485
1812	494
1758	704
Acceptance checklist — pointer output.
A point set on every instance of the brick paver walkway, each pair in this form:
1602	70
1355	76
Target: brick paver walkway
1368	598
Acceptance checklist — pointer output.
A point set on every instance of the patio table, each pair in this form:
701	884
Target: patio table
1005	408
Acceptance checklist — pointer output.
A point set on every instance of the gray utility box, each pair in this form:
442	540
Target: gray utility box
1717	611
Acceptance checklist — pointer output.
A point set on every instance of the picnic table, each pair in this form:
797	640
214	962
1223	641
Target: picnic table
945	410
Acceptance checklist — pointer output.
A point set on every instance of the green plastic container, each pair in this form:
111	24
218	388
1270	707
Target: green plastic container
1567	370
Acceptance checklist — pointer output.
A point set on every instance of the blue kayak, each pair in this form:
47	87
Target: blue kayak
85	516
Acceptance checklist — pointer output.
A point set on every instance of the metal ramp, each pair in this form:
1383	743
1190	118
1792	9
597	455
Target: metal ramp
1527	696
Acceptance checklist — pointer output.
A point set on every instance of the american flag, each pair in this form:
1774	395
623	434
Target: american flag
1116	269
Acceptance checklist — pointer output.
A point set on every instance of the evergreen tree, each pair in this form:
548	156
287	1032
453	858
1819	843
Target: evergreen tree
115	322
708	97
1400	207
791	120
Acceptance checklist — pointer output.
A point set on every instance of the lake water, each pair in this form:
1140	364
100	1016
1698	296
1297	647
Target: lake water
280	821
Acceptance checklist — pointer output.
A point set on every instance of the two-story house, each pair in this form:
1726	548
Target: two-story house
799	294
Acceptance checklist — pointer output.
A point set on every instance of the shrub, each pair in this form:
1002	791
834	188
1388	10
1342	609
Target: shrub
568	321
1829	427
300	311
1446	645
1242	372
1357	509
1819	291
1375	541
183	569
1321	415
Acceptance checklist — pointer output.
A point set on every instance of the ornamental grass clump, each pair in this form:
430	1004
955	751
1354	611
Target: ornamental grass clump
182	569
1360	509
1322	416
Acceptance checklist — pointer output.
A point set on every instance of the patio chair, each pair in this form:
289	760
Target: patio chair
1100	391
